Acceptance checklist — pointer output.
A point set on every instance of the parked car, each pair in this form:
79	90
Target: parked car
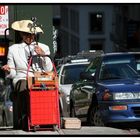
6	106
109	91
69	73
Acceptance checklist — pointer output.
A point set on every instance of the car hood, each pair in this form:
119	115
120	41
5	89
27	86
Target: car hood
65	89
121	84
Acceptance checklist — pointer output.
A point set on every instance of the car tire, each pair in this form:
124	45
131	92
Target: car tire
94	117
72	111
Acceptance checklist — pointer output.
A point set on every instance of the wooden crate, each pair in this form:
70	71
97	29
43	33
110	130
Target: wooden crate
71	123
49	78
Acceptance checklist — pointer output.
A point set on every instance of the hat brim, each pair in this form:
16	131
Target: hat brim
26	26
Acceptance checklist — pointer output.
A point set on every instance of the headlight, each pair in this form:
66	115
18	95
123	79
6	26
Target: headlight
126	95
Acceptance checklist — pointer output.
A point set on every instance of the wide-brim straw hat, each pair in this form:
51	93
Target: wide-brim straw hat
26	26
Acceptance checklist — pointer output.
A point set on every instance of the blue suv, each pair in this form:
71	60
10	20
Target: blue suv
109	90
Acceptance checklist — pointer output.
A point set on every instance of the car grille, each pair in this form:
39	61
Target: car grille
136	111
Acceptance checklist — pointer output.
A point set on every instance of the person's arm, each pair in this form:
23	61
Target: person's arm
10	64
47	64
42	49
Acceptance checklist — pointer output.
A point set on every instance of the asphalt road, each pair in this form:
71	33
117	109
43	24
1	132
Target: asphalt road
84	131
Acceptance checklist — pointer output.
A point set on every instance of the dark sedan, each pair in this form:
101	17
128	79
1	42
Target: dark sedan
6	107
109	91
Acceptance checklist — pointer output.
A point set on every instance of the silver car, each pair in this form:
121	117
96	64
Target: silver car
69	73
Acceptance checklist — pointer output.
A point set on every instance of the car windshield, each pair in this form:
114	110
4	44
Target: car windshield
120	67
71	73
117	71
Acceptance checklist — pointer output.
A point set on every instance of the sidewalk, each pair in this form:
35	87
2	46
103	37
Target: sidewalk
69	132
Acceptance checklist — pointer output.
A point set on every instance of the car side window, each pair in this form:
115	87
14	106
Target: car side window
93	65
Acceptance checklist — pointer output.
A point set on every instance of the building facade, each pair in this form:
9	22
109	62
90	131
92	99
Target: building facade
86	27
107	27
42	12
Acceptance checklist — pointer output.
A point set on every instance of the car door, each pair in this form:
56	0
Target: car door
83	97
84	91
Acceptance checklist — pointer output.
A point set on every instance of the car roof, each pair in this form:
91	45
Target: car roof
119	53
79	63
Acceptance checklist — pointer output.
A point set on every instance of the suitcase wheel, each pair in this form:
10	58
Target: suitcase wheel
55	127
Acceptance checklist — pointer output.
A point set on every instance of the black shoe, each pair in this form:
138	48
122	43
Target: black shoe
25	123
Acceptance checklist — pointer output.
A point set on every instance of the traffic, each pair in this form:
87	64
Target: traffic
103	91
74	70
109	91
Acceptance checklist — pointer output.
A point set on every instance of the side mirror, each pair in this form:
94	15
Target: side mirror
86	76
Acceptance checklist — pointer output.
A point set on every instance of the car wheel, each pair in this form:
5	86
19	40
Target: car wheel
94	117
72	111
4	120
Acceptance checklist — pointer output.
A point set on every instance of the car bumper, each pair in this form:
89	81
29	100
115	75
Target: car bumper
131	114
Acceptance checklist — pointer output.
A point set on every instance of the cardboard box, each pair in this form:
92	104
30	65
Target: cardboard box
71	123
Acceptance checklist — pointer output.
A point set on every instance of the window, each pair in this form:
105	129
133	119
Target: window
95	23
74	21
65	42
93	65
71	74
96	44
74	44
64	14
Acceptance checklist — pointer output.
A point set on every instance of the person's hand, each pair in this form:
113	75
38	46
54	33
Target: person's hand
6	68
39	51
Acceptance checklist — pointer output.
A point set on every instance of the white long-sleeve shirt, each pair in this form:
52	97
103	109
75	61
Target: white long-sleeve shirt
18	60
